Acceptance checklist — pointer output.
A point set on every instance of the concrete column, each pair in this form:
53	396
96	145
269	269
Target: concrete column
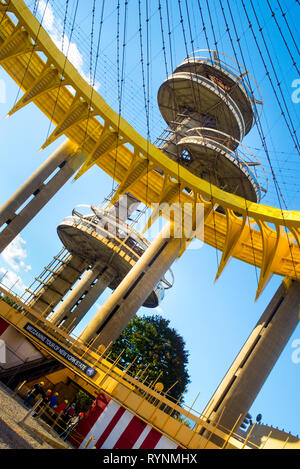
181	129
57	285
64	162
80	300
248	373
129	296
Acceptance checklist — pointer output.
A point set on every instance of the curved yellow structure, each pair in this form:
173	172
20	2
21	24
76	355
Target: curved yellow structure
241	230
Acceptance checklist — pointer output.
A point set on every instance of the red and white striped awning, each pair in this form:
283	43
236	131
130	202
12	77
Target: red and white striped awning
114	427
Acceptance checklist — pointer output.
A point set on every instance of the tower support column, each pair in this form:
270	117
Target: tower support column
36	191
242	383
79	301
112	318
58	281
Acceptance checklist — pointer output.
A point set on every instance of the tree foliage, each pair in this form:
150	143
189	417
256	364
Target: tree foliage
8	300
157	347
83	401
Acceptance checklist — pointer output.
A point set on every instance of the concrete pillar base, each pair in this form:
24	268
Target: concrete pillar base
242	383
59	282
129	296
73	309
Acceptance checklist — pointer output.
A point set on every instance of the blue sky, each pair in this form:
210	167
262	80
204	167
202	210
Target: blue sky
215	319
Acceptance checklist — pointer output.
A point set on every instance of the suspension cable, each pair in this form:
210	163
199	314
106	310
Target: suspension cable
282	36
288	26
293	131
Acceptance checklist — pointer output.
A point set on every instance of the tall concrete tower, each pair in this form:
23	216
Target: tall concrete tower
100	248
209	106
209	110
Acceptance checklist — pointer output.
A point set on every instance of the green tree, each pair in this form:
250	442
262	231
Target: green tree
8	300
83	401
154	345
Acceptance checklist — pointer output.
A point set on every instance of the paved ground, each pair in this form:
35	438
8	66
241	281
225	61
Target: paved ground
32	435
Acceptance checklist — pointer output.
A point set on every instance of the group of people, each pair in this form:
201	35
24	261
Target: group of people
69	417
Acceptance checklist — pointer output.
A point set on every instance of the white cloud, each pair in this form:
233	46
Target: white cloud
10	279
54	27
47	14
15	255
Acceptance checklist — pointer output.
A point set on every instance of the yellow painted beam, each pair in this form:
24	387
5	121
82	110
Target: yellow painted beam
128	391
132	161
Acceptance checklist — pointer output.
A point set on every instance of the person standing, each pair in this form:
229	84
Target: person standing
35	392
42	407
70	411
53	400
62	407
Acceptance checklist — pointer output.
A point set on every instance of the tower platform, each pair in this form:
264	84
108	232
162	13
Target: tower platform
210	106
100	237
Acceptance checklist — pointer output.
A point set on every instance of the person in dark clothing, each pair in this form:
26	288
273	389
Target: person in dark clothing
36	391
42	407
66	416
70	411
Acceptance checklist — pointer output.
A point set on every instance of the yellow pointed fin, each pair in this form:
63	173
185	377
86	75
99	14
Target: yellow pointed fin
296	233
196	217
109	140
138	168
233	236
170	193
79	111
48	80
275	246
18	43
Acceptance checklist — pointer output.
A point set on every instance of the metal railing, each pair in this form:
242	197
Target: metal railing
231	66
137	384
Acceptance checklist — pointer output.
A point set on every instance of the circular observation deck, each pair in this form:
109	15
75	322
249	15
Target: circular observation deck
215	90
99	236
210	107
237	171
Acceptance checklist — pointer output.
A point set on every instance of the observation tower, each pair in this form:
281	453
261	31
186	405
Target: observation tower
100	248
210	107
209	103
